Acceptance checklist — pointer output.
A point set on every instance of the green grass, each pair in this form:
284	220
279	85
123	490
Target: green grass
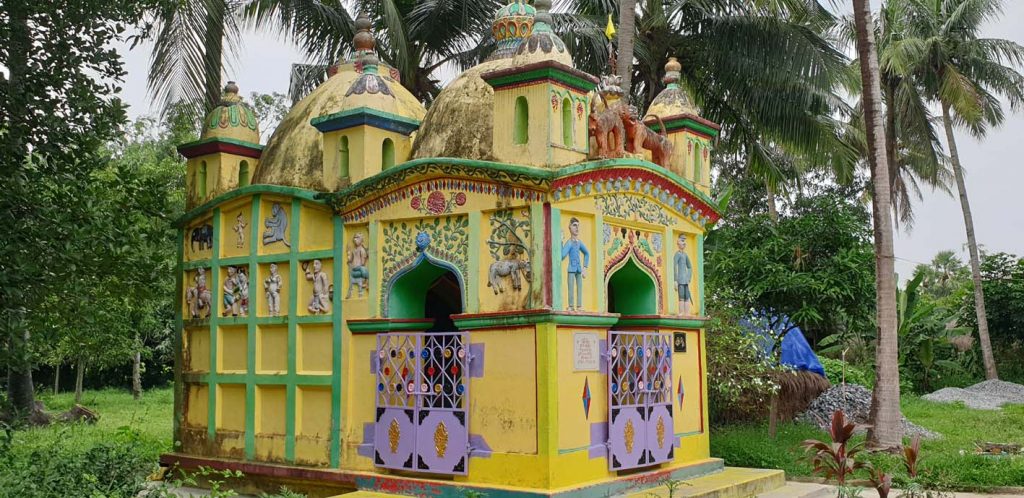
150	418
949	462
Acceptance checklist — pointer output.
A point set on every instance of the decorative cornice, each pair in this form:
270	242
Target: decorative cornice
664	321
446	186
692	122
205	208
533	317
365	116
551	71
219	144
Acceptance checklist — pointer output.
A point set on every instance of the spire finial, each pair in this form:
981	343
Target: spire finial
543	11
364	41
672	71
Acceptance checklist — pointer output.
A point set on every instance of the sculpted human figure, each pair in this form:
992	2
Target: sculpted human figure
198	296
576	272
239	229
272	286
321	301
230	287
277	226
683	274
359	276
242	290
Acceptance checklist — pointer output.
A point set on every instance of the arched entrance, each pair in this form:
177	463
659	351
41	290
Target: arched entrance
422	389
631	291
639	376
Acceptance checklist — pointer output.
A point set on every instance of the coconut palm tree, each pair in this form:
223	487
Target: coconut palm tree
189	51
965	75
787	121
627	36
886	430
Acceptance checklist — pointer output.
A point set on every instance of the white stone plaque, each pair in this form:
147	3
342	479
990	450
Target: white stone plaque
586	352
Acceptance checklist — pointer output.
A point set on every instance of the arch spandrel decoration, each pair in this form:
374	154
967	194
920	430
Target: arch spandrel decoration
644	249
440	242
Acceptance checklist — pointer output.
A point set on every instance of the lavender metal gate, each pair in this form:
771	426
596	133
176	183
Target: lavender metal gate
640	429
422	398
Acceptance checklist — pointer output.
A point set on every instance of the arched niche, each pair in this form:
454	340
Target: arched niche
427	289
632	291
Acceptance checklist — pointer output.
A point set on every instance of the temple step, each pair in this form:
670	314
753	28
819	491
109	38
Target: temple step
732	482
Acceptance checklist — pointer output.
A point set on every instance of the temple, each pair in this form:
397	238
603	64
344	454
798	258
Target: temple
503	293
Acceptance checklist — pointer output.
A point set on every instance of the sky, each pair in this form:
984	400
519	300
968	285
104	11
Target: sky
995	166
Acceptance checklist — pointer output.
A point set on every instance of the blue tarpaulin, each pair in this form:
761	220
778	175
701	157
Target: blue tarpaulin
796	352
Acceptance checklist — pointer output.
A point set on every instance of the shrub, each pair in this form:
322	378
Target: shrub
741	380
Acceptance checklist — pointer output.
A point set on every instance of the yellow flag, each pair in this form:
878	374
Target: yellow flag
610	30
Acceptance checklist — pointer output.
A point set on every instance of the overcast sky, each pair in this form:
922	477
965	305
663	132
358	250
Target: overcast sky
995	168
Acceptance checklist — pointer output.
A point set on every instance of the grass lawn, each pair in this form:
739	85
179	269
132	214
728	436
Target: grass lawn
149	418
950	461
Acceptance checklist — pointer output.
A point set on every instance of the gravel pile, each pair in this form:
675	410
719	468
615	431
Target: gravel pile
988	395
855	402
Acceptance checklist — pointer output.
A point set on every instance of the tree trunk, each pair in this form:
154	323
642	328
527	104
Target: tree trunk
627	31
890	139
56	379
214	46
137	375
20	389
79	377
972	246
773	207
886	428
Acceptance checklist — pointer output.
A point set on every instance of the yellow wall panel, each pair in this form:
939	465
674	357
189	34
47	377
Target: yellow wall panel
270	448
194	249
270	410
197	350
316	231
197	405
232	349
272	349
315	349
313	411
267	204
231	407
504	403
305	284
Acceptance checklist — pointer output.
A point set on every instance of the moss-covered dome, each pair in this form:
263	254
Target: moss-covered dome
231	119
294	154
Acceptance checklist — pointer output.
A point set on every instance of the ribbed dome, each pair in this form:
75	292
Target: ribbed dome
232	119
673	100
512	23
543	44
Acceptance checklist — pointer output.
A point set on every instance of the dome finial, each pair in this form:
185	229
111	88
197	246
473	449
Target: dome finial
364	41
230	94
543	12
673	71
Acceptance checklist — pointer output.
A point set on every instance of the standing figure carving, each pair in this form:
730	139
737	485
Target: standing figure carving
576	271
277	226
683	272
236	292
321	300
272	285
198	296
359	276
239	229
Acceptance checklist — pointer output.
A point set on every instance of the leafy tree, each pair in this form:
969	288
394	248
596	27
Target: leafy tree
1003	278
58	109
814	265
270	109
966	75
886	429
945	273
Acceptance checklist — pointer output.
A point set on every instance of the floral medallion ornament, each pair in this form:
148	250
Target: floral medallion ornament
554	102
579	110
441	439
437	202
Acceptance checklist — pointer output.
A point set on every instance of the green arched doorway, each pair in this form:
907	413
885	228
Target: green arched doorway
631	291
428	290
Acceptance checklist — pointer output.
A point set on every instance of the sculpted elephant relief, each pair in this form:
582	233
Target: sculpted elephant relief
509	268
202	234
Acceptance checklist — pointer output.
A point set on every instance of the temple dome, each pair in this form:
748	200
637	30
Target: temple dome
467	99
231	119
674	99
294	154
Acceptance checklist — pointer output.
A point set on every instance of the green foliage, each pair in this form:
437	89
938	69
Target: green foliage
836	458
213	480
815	265
1002	277
740	377
836	369
948	463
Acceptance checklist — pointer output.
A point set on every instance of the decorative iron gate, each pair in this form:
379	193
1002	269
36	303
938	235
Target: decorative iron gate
422	397
640	429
